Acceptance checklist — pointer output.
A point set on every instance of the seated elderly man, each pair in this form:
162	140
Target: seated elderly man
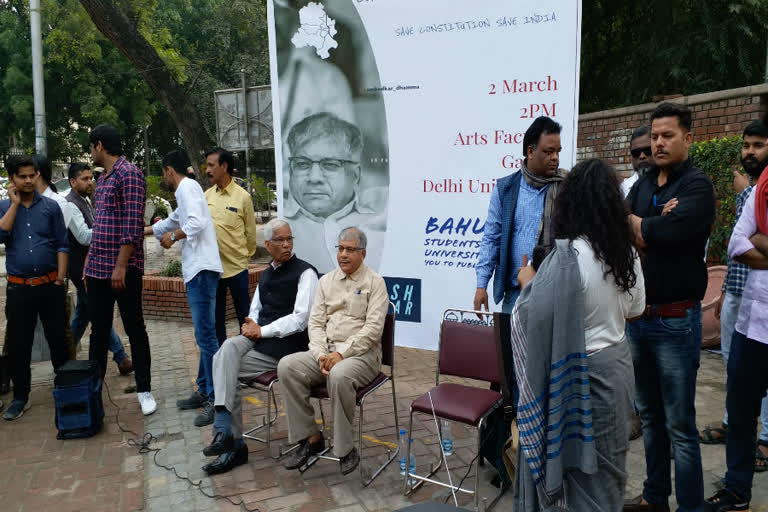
276	326
345	330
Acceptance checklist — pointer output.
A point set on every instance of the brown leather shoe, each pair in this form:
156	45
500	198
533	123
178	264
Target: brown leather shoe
125	367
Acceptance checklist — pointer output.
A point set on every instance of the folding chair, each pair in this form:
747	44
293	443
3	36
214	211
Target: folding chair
265	383
321	393
466	350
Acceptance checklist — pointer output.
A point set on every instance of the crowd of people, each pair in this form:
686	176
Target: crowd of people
307	328
605	329
609	327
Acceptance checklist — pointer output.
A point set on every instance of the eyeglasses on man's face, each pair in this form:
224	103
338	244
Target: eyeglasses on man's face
283	241
350	250
329	166
639	151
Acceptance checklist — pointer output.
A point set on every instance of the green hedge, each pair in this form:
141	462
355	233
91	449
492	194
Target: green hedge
718	158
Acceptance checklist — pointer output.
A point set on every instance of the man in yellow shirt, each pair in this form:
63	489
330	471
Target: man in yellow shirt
234	220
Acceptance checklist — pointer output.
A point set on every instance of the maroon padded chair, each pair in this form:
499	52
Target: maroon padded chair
321	393
264	383
466	350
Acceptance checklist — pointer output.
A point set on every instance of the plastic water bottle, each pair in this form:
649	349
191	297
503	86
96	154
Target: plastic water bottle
412	464
403	449
446	436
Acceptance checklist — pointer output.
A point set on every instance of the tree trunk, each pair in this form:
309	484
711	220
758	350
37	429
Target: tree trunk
117	25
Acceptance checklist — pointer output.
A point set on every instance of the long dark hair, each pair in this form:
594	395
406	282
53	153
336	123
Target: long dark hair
591	205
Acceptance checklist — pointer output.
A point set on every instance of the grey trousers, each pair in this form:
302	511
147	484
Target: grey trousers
300	371
236	359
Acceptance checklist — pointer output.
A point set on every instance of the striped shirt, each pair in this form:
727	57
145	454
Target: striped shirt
118	219
736	276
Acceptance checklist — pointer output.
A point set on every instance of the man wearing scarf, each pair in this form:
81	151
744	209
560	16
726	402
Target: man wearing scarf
747	378
519	215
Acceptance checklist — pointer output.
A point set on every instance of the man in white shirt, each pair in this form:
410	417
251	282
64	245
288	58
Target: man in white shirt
191	223
642	159
276	326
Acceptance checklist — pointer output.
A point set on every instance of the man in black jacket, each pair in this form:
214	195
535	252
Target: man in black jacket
673	208
276	326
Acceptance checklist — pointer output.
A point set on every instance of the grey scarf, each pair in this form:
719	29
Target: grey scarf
545	235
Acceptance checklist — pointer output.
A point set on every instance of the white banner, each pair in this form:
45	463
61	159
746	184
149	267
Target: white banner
398	116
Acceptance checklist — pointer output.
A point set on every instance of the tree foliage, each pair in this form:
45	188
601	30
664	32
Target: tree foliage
632	51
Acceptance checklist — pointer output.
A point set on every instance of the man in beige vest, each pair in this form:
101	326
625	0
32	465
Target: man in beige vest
345	329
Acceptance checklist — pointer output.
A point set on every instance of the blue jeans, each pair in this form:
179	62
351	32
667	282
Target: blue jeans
201	295
665	354
510	297
747	384
238	288
80	322
728	316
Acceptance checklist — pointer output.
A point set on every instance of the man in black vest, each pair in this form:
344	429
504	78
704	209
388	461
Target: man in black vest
79	234
275	327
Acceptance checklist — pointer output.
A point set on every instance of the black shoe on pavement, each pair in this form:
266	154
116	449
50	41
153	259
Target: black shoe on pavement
304	452
227	461
206	415
195	401
222	443
349	462
725	501
636	505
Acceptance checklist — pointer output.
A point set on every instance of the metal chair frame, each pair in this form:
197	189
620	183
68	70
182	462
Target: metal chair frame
266	421
366	481
408	482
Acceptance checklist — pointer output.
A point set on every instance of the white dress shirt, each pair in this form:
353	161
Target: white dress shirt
626	185
199	250
293	322
66	206
78	227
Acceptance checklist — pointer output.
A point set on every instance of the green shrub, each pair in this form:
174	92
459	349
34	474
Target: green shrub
173	269
718	158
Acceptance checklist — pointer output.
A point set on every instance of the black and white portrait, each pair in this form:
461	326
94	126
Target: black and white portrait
335	165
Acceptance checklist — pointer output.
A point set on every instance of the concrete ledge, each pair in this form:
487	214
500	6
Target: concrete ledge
695	99
165	298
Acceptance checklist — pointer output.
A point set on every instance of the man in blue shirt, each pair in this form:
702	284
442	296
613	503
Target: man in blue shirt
32	229
519	215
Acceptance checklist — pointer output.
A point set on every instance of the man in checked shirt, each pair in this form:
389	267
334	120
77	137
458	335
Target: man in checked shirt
115	263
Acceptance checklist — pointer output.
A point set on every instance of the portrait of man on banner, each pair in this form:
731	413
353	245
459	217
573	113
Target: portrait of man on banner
335	155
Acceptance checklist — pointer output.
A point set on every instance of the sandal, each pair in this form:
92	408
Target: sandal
761	461
707	436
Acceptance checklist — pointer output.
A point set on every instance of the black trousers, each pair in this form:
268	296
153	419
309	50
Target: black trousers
101	307
23	305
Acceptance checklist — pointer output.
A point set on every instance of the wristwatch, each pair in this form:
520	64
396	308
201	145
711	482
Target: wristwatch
173	236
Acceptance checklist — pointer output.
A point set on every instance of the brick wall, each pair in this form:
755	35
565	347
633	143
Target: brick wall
717	114
165	298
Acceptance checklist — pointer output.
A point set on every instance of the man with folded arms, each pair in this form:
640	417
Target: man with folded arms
345	330
673	207
275	327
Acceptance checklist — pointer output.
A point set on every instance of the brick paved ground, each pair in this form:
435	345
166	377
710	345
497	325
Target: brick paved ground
37	472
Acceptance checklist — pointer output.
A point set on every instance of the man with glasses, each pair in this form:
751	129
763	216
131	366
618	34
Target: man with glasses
345	329
325	153
275	327
642	156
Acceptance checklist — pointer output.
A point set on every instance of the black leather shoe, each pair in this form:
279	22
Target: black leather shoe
222	443
227	461
195	401
303	453
349	462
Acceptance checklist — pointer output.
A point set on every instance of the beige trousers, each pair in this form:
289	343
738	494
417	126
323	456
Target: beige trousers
300	371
